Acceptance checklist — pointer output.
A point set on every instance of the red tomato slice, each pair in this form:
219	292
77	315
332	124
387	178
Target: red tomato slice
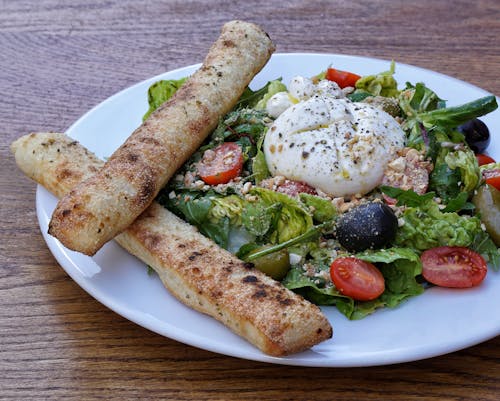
357	279
221	164
453	266
293	188
342	78
492	177
484	159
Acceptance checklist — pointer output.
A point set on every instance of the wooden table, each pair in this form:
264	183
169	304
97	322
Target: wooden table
58	59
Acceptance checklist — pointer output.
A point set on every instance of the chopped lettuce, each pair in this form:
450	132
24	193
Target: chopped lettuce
427	227
455	172
293	220
400	268
382	84
466	162
484	245
260	171
195	207
322	209
418	99
160	92
230	206
257	99
260	219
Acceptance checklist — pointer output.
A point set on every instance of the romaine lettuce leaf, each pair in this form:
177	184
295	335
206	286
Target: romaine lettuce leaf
322	209
400	267
427	227
257	99
466	162
382	84
293	220
455	172
160	92
274	87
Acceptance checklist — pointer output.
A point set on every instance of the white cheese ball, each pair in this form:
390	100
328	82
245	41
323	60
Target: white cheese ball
278	103
335	145
301	88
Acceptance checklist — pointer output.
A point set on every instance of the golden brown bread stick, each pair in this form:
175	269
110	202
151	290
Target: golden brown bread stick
194	269
106	203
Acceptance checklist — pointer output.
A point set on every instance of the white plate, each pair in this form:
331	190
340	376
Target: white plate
438	322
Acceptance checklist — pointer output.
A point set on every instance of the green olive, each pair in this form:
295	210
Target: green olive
275	264
487	201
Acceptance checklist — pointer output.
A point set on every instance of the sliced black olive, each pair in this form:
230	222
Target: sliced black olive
370	225
477	135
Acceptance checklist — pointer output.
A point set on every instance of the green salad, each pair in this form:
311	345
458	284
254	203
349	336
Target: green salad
349	190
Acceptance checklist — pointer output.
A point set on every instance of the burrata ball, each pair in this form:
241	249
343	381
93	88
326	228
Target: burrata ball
337	146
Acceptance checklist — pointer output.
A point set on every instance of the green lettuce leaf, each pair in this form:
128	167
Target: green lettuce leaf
230	206
382	84
466	162
427	227
258	98
455	172
294	219
322	209
196	207
274	87
314	288
160	92
400	268
484	245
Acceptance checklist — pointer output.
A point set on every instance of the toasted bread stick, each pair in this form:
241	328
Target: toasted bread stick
106	203
194	269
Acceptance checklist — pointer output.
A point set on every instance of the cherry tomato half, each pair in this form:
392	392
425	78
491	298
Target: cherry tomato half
221	164
453	266
357	279
484	159
492	177
342	78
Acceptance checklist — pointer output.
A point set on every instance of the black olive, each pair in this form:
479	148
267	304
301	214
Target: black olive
369	225
476	134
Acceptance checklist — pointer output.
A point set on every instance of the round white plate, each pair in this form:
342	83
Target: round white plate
438	322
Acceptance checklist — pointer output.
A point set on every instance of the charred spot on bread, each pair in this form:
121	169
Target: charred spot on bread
194	255
250	279
132	157
228	43
259	294
65	174
147	190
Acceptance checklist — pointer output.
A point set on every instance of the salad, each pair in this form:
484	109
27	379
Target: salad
349	190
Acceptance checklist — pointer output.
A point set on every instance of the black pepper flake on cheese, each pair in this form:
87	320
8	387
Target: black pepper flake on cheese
305	154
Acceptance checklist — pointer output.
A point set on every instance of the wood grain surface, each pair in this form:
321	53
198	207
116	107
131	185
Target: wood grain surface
60	58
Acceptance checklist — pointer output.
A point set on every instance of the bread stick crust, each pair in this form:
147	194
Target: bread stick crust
106	203
194	269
